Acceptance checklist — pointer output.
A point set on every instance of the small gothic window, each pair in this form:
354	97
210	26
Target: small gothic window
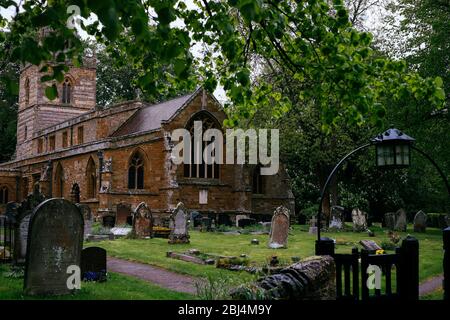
201	170
4	195
136	172
258	181
75	193
59	181
26	133
91	176
67	91
27	91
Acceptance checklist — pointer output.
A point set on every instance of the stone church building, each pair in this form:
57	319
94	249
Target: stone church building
113	158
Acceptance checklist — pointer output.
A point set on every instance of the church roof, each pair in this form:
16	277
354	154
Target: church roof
149	117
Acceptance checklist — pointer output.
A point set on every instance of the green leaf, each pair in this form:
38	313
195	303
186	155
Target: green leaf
51	92
438	82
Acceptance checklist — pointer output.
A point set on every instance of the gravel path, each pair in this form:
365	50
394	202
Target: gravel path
163	278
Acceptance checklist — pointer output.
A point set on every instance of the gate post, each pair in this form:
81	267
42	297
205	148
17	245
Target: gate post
325	247
446	237
409	271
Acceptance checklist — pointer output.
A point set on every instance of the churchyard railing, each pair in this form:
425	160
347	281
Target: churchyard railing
6	239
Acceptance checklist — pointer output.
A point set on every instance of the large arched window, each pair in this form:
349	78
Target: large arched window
201	170
59	181
91	179
67	91
27	91
4	195
258	181
136	172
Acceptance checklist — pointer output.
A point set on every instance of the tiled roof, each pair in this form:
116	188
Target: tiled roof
149	117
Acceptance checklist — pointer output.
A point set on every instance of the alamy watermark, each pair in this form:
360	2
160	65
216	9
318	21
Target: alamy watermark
208	147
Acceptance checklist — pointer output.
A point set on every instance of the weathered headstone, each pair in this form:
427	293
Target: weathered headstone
389	220
21	237
123	214
55	239
337	217
420	221
109	221
206	224
239	217
196	219
93	264
279	228
179	225
400	221
359	219
142	221
313	226
245	222
11	211
88	219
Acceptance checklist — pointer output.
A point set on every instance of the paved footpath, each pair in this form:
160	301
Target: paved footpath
182	283
430	285
161	277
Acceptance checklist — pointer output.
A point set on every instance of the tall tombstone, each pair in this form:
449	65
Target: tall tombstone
359	219
420	221
400	220
389	220
123	211
55	240
88	219
21	237
279	230
337	217
93	264
142	221
179	232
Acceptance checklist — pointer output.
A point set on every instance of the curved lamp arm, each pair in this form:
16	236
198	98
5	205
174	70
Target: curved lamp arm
436	166
325	187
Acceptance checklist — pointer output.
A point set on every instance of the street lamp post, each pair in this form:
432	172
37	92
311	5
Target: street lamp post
393	150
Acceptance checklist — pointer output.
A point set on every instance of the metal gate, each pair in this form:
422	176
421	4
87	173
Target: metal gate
6	239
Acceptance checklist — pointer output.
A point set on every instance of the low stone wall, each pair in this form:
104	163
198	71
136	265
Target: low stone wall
310	279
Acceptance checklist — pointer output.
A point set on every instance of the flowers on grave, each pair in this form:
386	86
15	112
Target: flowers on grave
381	251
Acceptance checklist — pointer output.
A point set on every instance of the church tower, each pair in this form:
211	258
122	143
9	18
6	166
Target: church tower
76	95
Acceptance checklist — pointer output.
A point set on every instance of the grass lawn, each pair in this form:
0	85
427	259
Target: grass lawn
300	243
118	287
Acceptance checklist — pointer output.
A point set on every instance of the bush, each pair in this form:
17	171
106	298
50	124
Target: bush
216	288
436	220
310	212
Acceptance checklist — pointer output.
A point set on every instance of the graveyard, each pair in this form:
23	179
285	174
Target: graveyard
246	153
249	248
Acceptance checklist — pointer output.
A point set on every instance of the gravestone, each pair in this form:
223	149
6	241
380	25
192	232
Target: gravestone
359	219
337	217
142	221
123	212
370	245
179	225
109	221
88	219
55	239
400	220
196	219
239	217
206	224
279	228
313	226
93	264
11	211
389	220
420	221
21	237
245	222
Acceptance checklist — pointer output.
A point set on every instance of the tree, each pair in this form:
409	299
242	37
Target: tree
313	42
